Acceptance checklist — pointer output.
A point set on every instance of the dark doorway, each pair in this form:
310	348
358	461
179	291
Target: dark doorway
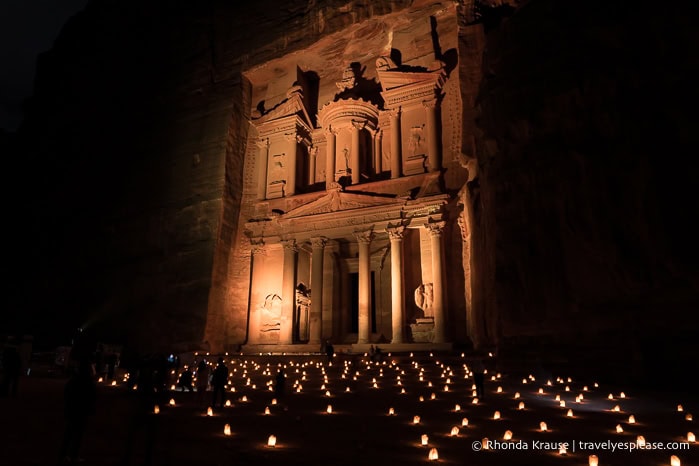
354	303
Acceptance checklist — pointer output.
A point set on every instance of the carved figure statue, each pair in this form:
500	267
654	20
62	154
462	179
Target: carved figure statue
271	312
424	298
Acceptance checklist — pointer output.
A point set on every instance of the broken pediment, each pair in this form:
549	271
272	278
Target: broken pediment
337	200
292	105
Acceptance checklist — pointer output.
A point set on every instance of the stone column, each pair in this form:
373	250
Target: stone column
354	151
263	158
318	252
395	144
435	231
290	166
312	153
286	331
254	323
377	153
397	286
363	241
433	163
330	158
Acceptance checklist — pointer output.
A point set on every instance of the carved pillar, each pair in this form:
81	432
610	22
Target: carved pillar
312	153
363	241
263	158
395	144
290	165
330	159
317	254
254	323
377	153
286	332
433	163
397	286
354	151
435	231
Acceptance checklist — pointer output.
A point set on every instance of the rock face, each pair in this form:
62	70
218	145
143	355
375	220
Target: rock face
574	129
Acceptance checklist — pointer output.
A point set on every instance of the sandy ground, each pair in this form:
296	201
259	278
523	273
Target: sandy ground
360	431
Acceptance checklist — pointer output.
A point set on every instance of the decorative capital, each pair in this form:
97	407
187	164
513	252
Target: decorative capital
257	246
395	112
318	242
396	233
263	143
289	244
435	228
359	124
364	237
330	131
431	103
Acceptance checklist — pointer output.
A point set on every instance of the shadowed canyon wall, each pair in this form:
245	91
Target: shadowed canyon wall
576	133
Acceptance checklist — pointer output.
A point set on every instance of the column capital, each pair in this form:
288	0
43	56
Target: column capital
289	244
364	237
313	150
257	246
318	242
359	124
394	112
330	131
435	228
396	233
262	143
430	103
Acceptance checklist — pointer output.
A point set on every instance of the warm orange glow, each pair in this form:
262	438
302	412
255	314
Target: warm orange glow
454	431
227	429
209	411
329	409
680	408
484	443
424	439
688	417
562	450
464	422
499	390
457	408
267	411
619	429
496	415
674	460
691	437
507	435
272	441
569	413
632	419
391	411
520	405
156	409
616	409
172	402
641	441
434	455
416	419
542	426
475	401
592	460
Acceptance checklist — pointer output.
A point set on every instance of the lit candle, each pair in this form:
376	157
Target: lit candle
272	441
424	439
227	429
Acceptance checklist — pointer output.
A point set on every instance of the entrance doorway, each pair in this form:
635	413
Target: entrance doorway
354	303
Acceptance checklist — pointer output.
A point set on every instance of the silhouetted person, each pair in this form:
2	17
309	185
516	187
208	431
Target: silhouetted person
478	370
142	418
186	378
329	350
202	380
79	402
219	379
279	385
111	365
11	370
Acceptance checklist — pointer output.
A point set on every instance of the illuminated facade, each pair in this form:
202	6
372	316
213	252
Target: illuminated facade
352	220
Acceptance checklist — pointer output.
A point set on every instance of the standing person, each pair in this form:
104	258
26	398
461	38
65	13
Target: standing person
79	401
329	350
279	385
202	380
219	379
142	420
478	370
185	381
11	370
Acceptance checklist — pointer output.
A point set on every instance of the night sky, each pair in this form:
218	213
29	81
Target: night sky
27	28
